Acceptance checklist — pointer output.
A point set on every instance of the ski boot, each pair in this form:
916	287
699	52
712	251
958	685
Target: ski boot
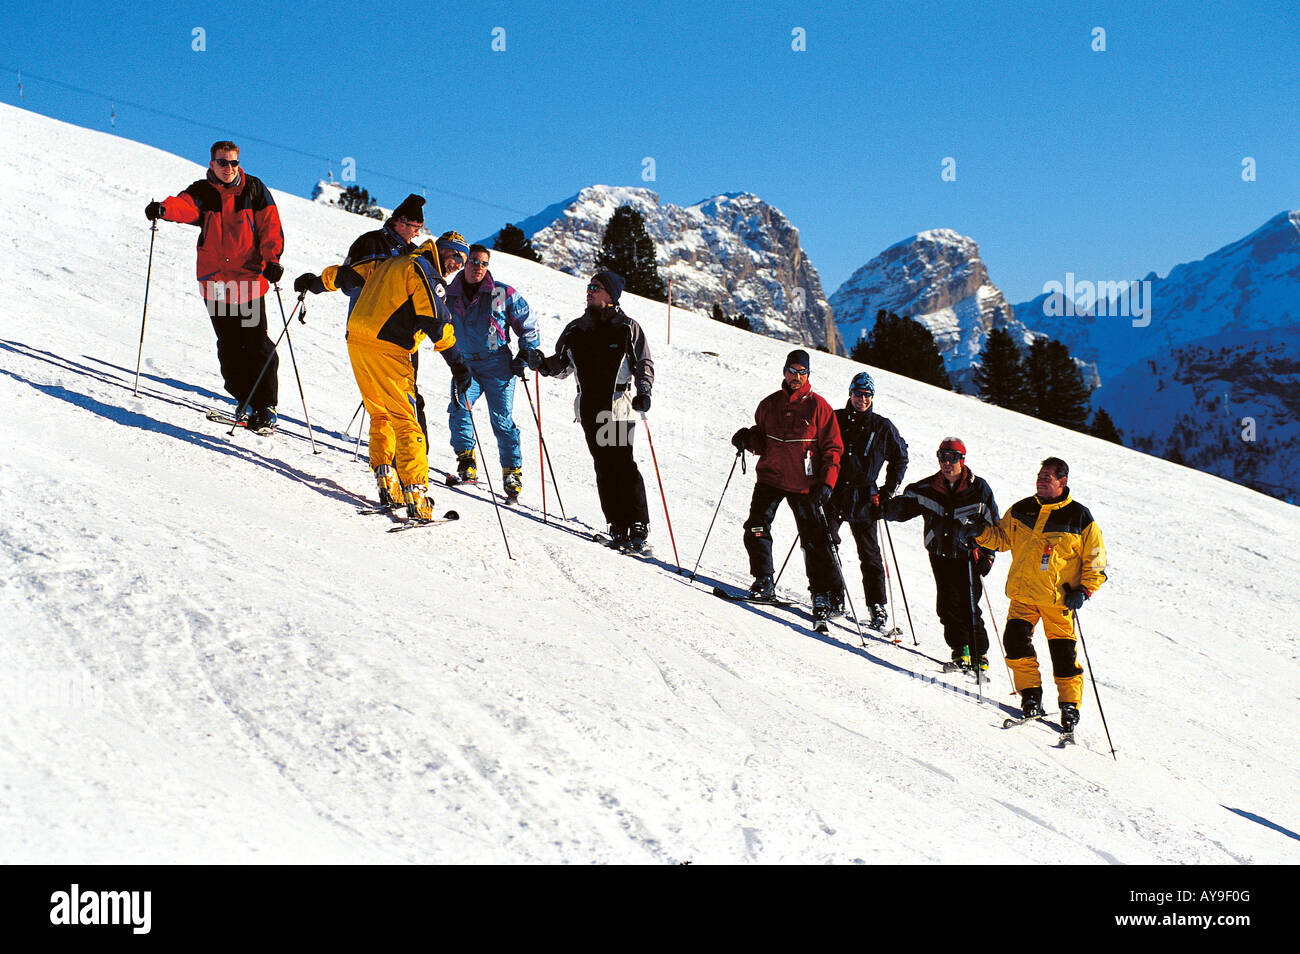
466	467
879	617
390	489
1069	716
617	537
762	588
262	421
984	664
419	505
636	537
1031	702
821	606
512	481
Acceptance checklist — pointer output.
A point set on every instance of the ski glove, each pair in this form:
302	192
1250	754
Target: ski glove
463	378
532	357
967	533
305	282
740	438
273	271
821	496
154	210
983	560
518	365
1074	598
641	403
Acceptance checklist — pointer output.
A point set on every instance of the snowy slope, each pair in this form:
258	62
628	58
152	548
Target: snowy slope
209	656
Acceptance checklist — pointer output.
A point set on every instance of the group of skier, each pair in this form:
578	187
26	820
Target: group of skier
827	466
825	463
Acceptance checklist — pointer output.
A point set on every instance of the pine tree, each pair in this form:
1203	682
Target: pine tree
718	314
1102	426
511	240
1000	375
629	251
905	347
1057	391
357	200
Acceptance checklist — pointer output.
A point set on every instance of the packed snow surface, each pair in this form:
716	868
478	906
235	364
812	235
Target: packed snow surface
209	656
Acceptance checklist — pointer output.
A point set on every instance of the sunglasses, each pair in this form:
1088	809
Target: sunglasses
790	369
950	457
477	264
409	224
227	163
594	287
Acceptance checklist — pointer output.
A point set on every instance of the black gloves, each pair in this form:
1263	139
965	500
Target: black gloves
463	378
983	560
273	271
967	533
154	210
304	282
821	496
1073	598
740	438
518	365
532	357
641	403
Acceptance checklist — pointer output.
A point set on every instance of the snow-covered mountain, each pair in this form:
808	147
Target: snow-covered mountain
1220	326
328	192
937	278
1227	404
733	250
209	656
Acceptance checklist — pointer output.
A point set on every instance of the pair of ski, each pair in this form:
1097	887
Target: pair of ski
1066	735
894	635
453	480
394	512
606	540
221	417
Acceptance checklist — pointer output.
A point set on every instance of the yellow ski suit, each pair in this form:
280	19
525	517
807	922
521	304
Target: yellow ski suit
1052	544
402	302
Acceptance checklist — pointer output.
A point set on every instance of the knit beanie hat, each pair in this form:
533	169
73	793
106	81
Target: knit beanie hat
411	209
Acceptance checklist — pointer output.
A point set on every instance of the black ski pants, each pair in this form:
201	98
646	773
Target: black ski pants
243	348
958	607
867	539
818	563
618	480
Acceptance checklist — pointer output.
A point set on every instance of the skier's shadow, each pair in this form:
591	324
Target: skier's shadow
829	639
119	415
64	363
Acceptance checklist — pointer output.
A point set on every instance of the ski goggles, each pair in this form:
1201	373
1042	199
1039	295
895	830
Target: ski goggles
950	457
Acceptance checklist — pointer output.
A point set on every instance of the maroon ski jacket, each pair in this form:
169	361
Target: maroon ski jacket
797	440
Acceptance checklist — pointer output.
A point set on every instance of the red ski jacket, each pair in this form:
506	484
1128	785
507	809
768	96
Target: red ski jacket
239	232
797	439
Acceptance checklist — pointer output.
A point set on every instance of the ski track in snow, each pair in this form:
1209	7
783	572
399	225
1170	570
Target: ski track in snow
210	657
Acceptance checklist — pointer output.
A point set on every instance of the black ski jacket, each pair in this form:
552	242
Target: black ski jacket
945	509
869	441
610	354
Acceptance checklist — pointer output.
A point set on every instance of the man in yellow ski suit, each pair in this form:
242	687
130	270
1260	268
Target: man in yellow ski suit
1058	560
402	301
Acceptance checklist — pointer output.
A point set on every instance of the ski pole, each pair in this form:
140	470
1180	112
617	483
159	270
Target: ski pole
348	430
148	275
487	471
541	442
974	643
1088	659
302	318
902	589
546	454
889	579
1002	652
739	456
793	544
356	454
243	405
835	555
662	495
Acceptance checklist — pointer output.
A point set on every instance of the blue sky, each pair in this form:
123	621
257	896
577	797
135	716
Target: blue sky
1105	164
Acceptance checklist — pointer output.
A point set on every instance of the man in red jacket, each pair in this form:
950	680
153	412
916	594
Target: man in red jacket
797	440
240	243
